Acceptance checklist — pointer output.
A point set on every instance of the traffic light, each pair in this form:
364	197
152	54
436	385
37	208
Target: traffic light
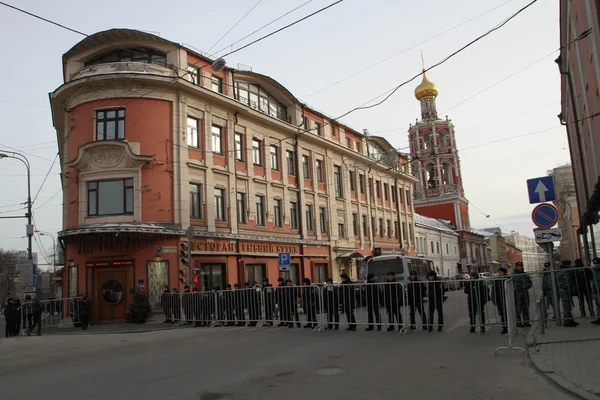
183	276
196	272
184	254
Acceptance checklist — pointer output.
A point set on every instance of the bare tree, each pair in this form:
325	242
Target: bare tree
9	274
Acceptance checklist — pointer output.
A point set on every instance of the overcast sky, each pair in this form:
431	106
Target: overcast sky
505	85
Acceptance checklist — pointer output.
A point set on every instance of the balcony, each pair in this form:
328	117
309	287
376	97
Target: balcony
128	67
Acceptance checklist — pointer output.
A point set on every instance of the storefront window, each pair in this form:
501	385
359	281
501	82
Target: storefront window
319	273
73	281
213	276
255	273
158	277
293	274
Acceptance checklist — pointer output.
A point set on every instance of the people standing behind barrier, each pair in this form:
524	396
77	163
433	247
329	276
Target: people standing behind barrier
238	305
176	305
393	298
292	303
166	303
596	288
583	278
435	294
416	292
331	297
27	313
269	296
564	282
373	297
310	303
348	301
280	296
477	296
186	303
522	284
196	306
227	307
547	290
499	297
85	312
36	308
206	307
8	317
254	305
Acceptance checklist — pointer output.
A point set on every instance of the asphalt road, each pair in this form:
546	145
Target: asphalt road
269	363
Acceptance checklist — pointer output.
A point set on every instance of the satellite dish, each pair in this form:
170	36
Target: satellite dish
218	65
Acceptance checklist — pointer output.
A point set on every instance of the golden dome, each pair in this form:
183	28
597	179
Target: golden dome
426	88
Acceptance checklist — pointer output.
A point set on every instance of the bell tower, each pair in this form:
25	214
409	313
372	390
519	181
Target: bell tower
439	192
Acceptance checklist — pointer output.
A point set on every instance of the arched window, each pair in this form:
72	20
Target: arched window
447	174
140	54
443	139
430	176
259	99
427	141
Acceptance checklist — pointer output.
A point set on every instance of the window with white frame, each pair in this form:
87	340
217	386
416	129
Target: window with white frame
217	139
193	139
110	197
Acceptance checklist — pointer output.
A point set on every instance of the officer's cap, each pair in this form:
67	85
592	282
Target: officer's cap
413	273
265	280
391	273
546	265
306	280
329	280
596	260
519	264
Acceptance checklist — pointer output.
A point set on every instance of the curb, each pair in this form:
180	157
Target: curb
124	331
555	378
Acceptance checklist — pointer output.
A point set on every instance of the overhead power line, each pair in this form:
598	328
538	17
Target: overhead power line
234	25
261	28
405	50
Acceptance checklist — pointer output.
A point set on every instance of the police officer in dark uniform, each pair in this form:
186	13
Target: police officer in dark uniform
280	295
499	297
186	301
166	302
238	305
269	296
348	301
373	295
309	303
331	297
416	292
227	299
393	299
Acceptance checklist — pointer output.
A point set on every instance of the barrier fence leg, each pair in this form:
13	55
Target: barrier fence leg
319	298
511	317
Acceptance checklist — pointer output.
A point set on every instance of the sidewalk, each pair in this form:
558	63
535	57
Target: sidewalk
103	329
568	356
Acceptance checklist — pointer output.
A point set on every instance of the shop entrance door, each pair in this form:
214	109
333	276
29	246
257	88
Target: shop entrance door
112	294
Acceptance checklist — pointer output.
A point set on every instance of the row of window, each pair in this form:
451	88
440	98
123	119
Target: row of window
114	197
422	247
193	75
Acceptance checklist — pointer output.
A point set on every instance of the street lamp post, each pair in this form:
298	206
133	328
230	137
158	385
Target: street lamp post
53	248
24	160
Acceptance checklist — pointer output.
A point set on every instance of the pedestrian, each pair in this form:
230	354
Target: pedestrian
27	312
36	308
16	319
8	317
547	289
348	301
331	297
393	298
583	278
596	287
85	312
499	297
477	297
228	304
293	298
206	307
522	283
564	282
280	297
186	302
309	303
269	296
435	294
238	305
166	302
176	305
416	292
373	297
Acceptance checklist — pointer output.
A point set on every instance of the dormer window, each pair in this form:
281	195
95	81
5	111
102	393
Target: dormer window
257	98
141	54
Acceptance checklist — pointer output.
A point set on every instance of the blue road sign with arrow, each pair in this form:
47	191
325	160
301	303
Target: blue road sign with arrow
541	189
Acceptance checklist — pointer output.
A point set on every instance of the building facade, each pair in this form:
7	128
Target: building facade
579	67
533	255
153	140
437	242
513	254
439	192
568	213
